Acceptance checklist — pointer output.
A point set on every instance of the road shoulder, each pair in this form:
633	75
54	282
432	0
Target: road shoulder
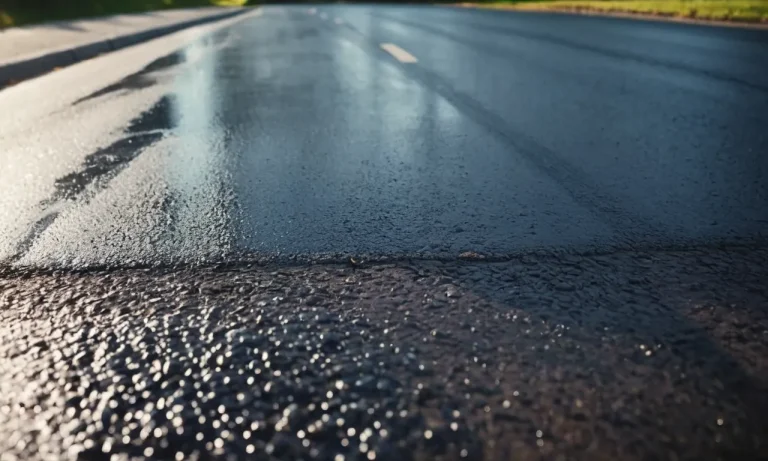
27	52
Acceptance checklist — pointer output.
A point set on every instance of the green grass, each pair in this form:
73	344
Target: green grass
20	12
728	10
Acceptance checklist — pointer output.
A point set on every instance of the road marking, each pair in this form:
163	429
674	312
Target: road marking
323	16
338	21
399	53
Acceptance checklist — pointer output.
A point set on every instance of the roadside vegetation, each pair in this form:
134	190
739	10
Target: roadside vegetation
723	10
20	12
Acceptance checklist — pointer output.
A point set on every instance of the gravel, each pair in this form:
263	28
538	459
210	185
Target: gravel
626	355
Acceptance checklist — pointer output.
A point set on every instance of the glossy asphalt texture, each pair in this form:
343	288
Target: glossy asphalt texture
545	239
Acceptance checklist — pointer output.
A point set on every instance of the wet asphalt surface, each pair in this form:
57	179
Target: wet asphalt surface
545	239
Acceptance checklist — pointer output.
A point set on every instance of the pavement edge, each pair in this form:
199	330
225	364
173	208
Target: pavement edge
34	66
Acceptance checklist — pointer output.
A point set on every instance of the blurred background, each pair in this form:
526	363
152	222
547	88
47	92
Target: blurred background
20	12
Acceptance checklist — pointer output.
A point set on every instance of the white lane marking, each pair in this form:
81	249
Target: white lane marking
312	10
338	21
399	53
323	16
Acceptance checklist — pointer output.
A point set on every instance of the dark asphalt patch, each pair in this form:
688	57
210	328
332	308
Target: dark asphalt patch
161	116
38	227
654	355
140	79
146	77
101	166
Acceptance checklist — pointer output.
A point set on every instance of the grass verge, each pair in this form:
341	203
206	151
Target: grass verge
21	12
719	10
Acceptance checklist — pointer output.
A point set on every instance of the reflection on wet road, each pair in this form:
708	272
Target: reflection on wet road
424	234
409	131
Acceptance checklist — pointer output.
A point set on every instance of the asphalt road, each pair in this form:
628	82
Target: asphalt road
297	133
390	232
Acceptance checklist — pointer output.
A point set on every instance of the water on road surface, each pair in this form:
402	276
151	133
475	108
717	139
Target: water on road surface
289	134
384	232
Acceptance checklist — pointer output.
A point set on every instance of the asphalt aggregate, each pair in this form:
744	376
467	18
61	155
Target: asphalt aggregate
540	237
620	356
